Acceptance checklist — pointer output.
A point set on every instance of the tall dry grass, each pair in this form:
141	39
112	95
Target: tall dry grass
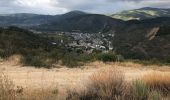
8	91
159	81
6	88
38	94
107	84
110	84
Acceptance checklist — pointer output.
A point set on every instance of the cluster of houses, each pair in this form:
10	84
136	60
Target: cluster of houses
84	41
89	41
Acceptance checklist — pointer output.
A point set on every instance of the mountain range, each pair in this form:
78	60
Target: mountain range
145	33
71	21
81	21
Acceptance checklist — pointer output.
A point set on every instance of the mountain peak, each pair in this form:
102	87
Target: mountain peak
149	8
146	8
73	13
77	11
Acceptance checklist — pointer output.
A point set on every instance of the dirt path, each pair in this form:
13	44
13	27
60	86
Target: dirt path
64	78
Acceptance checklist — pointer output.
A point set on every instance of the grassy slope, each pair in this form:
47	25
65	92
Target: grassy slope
143	13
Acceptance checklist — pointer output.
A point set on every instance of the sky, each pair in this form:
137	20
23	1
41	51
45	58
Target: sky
53	7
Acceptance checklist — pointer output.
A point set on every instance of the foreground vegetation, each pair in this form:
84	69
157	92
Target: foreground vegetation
107	84
9	91
111	84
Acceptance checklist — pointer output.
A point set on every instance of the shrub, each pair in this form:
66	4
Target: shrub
1	53
139	90
110	84
120	58
104	85
155	95
107	57
107	83
37	61
168	60
70	60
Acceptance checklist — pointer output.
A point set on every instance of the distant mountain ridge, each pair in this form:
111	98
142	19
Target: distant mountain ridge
84	23
142	13
29	19
24	19
74	20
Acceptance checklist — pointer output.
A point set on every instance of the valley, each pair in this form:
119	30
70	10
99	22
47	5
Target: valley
85	56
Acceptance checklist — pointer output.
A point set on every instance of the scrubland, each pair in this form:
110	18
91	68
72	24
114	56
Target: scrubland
93	81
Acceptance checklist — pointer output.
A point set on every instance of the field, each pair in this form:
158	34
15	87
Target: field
28	79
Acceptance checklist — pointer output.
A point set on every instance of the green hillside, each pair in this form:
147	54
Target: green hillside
143	13
37	50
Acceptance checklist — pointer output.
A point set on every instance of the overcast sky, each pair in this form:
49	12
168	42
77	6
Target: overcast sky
62	6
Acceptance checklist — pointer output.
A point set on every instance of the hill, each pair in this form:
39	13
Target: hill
30	20
14	40
144	39
71	21
34	49
24	19
83	23
143	13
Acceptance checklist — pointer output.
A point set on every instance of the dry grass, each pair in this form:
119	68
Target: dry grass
128	64
38	94
107	84
8	91
158	81
110	84
6	88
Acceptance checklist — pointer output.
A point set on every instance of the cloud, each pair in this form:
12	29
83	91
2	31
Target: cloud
62	6
31	6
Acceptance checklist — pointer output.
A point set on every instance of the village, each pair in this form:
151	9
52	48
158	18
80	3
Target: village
87	42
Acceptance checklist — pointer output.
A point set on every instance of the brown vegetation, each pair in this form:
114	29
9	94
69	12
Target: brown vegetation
104	85
158	81
8	91
110	84
112	81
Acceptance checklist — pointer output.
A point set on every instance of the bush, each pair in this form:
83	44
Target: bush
139	90
168	60
120	58
155	95
2	53
107	57
37	61
104	85
110	84
71	60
